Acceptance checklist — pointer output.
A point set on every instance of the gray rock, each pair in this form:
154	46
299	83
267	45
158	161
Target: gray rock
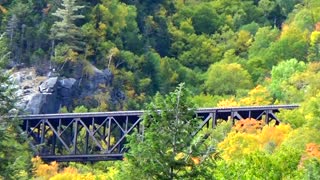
49	85
67	91
43	104
27	91
99	77
35	104
67	83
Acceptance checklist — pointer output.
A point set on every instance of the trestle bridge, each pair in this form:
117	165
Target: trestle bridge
101	136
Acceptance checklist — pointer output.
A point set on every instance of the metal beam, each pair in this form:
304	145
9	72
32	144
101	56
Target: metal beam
102	135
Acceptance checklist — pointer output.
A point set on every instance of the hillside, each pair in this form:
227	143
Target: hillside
119	54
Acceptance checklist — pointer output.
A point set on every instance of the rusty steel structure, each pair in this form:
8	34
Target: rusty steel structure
102	135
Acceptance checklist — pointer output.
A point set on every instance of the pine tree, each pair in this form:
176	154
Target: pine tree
14	156
166	149
65	30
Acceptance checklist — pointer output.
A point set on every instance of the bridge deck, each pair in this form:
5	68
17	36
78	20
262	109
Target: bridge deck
101	135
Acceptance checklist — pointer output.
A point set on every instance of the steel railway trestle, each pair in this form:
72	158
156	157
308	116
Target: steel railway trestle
102	135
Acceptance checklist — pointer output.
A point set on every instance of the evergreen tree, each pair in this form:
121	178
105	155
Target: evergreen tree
166	149
14	156
65	30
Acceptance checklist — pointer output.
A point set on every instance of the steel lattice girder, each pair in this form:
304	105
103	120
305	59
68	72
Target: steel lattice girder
102	135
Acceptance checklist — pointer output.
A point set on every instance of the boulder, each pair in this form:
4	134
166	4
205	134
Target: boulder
67	91
43	104
91	84
49	85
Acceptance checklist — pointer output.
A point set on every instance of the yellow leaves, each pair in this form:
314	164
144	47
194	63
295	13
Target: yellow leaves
102	26
274	134
244	40
51	171
3	10
285	29
257	96
44	170
314	38
179	156
238	144
186	26
72	55
231	102
248	137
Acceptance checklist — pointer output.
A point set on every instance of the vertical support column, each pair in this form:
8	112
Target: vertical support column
53	148
42	136
75	136
27	126
267	117
109	134
87	143
232	117
214	119
127	124
122	134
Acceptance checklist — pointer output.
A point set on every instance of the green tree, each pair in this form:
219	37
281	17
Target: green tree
227	79
165	149
281	73
14	156
65	30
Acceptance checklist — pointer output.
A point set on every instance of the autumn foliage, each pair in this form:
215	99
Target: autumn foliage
248	125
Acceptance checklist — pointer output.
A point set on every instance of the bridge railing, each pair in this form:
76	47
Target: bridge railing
102	135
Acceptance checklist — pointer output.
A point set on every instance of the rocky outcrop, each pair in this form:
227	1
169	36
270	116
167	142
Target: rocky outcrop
67	91
45	94
99	77
48	86
45	101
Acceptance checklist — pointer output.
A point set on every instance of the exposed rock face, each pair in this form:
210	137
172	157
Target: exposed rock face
45	95
67	91
48	86
92	83
46	100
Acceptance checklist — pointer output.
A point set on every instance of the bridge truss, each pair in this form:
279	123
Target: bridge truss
102	136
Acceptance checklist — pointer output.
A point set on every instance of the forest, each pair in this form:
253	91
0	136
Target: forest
169	55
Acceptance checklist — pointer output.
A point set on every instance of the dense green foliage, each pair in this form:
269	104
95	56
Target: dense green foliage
152	46
14	155
166	148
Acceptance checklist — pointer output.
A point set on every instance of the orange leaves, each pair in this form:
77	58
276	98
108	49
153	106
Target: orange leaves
248	125
317	26
195	160
313	150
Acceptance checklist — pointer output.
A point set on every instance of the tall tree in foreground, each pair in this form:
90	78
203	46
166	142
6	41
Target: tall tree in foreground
166	149
14	156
